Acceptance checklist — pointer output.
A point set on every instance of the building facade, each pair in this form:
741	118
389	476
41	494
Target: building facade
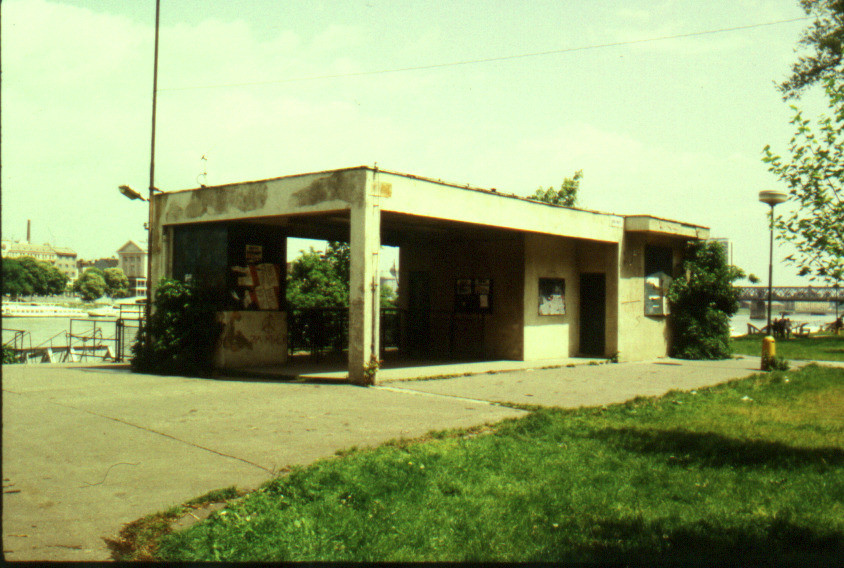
483	274
132	259
62	258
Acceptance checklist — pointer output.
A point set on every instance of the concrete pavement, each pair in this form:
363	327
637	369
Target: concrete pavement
86	450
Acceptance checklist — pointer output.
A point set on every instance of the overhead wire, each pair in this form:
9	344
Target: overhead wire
482	60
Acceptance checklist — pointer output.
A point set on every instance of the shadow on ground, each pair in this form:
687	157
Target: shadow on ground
715	450
773	542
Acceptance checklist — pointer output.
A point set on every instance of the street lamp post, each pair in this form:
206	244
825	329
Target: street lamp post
131	193
772	198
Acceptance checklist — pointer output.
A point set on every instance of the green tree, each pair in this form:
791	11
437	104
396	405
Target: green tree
825	39
41	277
117	284
566	195
320	280
56	281
814	174
91	285
703	299
16	279
389	298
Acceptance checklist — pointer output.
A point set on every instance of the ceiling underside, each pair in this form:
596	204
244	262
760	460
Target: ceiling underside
396	228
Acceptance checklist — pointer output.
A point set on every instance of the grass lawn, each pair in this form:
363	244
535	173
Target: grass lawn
813	348
750	470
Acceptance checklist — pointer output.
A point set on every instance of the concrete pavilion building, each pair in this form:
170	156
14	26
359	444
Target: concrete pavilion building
483	275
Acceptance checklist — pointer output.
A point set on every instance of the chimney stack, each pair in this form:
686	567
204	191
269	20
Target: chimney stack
28	226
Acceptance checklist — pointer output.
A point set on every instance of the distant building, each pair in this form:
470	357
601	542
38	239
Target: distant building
66	262
62	258
133	262
100	263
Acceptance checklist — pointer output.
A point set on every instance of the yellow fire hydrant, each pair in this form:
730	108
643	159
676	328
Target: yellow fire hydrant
769	352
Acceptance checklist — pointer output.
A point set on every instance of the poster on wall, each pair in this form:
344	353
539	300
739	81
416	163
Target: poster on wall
260	285
552	296
656	287
473	296
254	254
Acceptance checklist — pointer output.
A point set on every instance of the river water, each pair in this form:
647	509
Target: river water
42	330
739	321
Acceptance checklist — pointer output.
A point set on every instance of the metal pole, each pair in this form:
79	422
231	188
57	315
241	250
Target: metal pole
770	270
148	309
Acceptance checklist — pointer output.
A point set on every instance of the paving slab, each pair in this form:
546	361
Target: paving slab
86	450
586	385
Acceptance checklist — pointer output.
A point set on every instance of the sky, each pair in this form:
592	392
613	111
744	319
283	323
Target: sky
667	127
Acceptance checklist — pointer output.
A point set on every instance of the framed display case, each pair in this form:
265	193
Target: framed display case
552	296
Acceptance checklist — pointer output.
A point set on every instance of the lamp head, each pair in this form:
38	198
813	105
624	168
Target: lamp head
772	197
130	193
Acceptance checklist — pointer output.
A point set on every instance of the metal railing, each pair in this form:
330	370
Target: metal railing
18	343
326	330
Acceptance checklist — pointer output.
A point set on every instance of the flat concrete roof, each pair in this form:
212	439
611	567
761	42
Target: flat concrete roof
632	223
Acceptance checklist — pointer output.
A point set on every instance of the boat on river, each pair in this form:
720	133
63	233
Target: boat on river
104	312
34	310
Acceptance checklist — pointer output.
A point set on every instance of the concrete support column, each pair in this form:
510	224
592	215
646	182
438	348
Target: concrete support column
157	249
364	281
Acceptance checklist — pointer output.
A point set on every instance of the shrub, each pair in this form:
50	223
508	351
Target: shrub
703	299
9	356
181	334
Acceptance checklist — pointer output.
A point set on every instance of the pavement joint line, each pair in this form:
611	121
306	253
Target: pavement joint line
118	420
450	396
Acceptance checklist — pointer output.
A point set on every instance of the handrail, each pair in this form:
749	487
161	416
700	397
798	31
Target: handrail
50	340
19	335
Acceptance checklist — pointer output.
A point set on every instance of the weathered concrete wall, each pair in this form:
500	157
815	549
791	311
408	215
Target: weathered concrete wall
311	193
641	337
550	336
497	335
251	338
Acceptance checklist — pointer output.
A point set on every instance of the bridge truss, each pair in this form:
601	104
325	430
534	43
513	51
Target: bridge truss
792	293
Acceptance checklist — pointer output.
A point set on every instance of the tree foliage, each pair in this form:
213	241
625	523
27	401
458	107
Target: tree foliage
703	299
181	335
95	283
117	284
26	276
16	279
814	174
320	280
566	195
825	39
91	284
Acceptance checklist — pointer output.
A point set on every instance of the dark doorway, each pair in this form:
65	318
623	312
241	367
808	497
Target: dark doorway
419	313
593	312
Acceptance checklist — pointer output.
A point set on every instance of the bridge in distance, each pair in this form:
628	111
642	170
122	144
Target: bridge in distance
793	293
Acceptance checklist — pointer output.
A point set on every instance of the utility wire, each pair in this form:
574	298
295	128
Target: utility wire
483	60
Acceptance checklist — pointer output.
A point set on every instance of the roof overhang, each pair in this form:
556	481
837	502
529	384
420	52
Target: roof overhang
655	225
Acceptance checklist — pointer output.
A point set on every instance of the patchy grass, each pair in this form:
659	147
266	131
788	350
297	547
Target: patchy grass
812	348
752	470
138	540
